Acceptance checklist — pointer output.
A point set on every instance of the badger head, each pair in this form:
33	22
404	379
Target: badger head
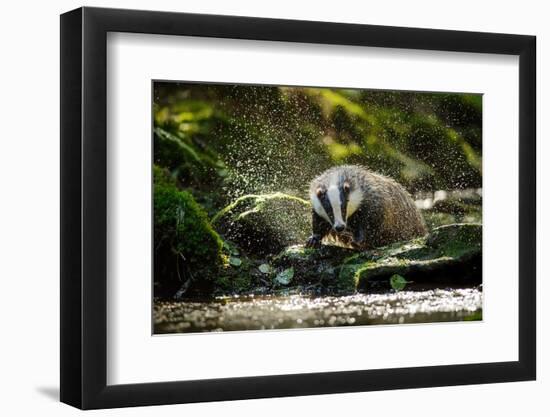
336	200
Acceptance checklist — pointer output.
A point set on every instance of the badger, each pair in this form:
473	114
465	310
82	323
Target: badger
362	209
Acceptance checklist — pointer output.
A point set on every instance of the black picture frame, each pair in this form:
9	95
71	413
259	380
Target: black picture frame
84	207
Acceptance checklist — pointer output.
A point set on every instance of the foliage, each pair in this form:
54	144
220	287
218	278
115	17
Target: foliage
259	139
233	260
397	282
284	277
185	243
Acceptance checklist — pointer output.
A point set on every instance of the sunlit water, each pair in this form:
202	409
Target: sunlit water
299	311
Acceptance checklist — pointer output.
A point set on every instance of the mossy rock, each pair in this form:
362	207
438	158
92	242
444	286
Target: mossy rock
266	223
456	240
298	254
317	267
187	249
449	254
435	219
349	276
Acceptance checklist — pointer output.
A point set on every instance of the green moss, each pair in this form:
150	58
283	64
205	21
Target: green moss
186	245
255	203
180	221
265	224
435	219
162	177
349	276
238	273
456	240
294	253
446	246
234	282
449	254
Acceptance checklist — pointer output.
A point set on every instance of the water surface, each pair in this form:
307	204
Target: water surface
299	311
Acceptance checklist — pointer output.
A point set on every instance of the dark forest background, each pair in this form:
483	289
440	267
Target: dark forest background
214	144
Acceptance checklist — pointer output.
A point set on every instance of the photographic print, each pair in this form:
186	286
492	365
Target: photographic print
284	207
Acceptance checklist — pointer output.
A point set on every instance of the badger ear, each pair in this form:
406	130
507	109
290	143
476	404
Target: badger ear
319	192
346	187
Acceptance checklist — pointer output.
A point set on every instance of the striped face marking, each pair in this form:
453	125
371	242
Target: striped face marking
336	203
322	206
354	201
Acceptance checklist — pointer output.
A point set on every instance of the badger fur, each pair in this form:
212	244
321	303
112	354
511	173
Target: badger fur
363	209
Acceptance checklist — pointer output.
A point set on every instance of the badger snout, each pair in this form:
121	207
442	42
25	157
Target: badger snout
339	227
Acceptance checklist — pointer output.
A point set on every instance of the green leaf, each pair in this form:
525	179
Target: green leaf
235	261
230	247
285	276
188	150
397	282
264	268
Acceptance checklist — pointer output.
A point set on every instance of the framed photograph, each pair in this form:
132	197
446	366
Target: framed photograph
257	208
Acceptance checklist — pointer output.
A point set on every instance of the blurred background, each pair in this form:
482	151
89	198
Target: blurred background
224	141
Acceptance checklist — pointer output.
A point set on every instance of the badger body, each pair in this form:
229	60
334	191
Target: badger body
358	207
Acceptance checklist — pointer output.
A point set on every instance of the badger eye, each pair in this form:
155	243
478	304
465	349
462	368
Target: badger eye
346	187
320	192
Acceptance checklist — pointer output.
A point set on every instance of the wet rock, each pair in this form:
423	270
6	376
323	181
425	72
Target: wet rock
448	255
317	267
266	223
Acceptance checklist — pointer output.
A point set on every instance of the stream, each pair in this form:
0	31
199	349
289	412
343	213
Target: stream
267	312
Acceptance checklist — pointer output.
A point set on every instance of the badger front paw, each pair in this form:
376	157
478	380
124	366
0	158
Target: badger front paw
359	240
314	241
